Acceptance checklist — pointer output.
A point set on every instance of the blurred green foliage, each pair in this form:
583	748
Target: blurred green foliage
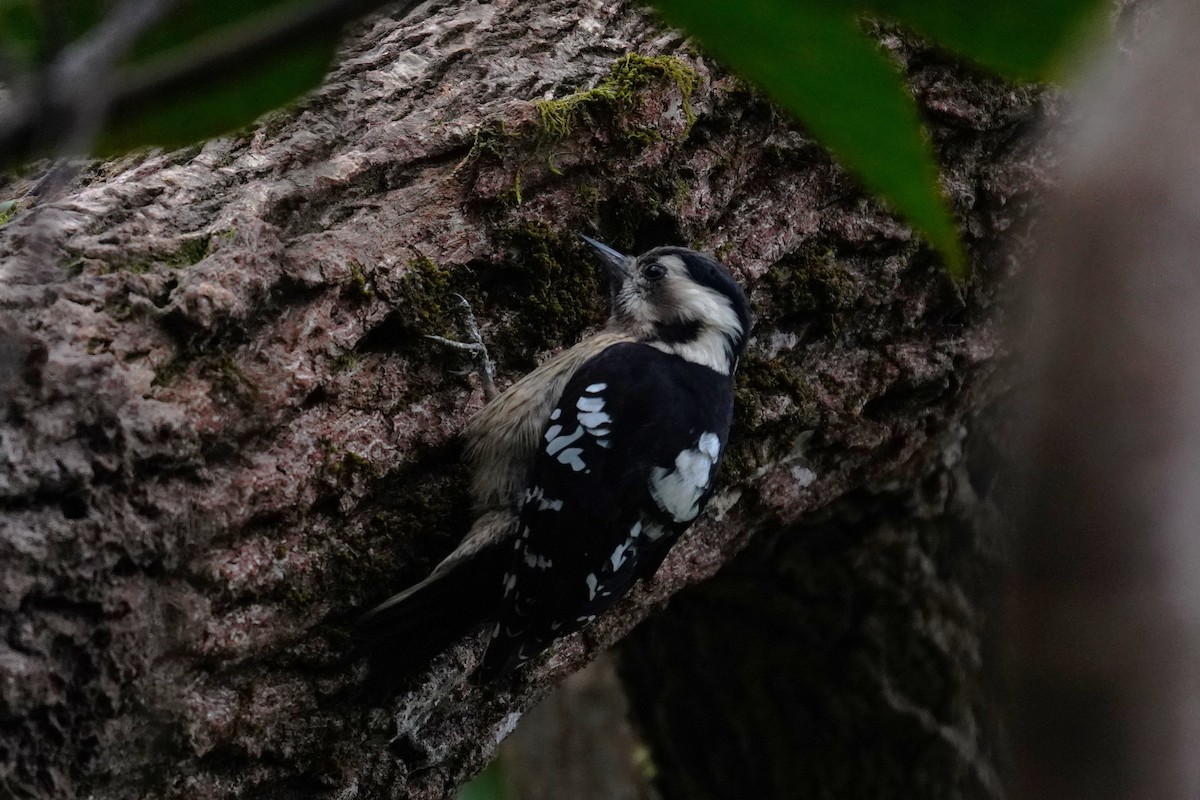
487	785
812	57
192	75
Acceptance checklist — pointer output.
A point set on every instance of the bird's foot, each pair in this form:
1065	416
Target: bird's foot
485	368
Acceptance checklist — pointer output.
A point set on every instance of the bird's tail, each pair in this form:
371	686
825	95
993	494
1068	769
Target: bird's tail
405	632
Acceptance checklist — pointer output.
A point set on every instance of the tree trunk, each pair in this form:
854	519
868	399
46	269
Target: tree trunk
852	654
224	431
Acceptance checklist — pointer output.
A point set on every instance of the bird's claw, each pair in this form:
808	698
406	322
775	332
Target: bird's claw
484	366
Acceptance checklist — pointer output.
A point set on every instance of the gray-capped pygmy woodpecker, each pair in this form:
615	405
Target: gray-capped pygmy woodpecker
586	470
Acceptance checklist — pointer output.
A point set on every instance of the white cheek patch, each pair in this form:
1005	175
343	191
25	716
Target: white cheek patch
678	491
712	346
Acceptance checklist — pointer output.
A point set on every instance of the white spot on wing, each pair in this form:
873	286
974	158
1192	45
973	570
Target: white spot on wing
592	584
553	431
549	505
596	387
536	561
556	413
562	441
572	458
678	491
593	419
617	559
590	404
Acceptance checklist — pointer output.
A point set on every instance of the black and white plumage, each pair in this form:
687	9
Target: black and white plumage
587	470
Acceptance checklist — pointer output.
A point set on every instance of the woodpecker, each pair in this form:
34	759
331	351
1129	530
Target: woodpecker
586	471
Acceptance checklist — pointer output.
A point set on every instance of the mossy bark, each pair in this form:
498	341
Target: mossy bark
225	432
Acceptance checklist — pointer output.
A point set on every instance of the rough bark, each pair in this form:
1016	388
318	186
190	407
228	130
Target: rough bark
853	654
224	432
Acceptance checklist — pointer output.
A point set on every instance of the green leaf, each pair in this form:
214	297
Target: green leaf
198	102
814	62
20	34
189	22
31	29
1024	39
487	785
19	22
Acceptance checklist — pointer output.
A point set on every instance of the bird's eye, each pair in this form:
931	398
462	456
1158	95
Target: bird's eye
654	271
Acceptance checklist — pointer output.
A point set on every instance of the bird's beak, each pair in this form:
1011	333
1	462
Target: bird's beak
616	264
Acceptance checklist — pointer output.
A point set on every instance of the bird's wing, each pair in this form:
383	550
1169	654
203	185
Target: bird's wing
626	463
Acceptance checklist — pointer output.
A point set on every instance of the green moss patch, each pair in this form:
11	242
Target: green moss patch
553	286
774	405
359	284
812	283
189	252
618	93
427	297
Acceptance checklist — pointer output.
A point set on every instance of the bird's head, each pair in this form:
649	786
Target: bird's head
679	300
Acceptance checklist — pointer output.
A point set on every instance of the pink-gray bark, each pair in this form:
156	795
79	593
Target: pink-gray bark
224	432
